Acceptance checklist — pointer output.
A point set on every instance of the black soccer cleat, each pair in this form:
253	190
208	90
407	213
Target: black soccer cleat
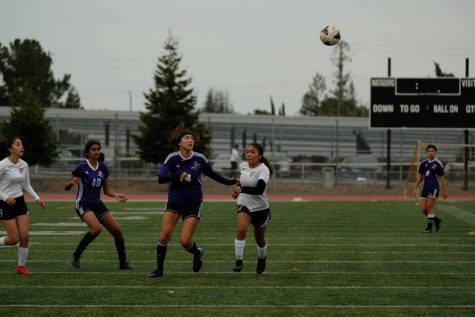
198	260
75	262
261	265
156	273
238	266
125	266
437	222
428	229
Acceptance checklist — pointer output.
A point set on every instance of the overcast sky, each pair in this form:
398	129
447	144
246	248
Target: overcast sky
253	49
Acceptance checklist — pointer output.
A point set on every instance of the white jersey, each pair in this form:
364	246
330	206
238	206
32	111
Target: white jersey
249	178
14	178
235	156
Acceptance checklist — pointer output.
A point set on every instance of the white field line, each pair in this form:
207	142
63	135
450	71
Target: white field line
186	273
252	261
459	213
246	306
288	252
470	244
170	287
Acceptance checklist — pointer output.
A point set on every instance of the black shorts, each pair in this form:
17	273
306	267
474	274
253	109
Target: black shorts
430	193
185	210
98	209
259	218
8	212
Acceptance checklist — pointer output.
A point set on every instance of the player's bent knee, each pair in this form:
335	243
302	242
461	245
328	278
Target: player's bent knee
95	231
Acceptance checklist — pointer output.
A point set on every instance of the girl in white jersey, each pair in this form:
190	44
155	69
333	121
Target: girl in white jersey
252	205
14	179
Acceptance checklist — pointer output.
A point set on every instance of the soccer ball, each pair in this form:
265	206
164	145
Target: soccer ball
330	35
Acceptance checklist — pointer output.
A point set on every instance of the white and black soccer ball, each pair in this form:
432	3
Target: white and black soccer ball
330	35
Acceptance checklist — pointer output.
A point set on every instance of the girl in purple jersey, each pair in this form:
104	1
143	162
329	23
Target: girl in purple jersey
92	176
431	172
182	169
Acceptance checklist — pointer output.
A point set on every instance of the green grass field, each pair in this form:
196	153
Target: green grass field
355	259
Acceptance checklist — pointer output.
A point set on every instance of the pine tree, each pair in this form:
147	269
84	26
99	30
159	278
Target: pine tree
171	101
28	123
272	106
312	99
282	110
73	101
25	66
217	101
440	73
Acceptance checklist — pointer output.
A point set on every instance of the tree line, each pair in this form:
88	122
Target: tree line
28	85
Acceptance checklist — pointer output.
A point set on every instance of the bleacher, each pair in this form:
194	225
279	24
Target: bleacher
295	136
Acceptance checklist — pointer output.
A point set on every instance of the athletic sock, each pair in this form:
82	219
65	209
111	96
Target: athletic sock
86	240
22	255
239	248
262	252
194	250
430	220
2	241
161	253
120	246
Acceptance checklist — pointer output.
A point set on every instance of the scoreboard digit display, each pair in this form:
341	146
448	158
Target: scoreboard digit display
422	103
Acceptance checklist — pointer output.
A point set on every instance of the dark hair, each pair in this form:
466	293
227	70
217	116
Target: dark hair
180	131
88	146
431	146
260	150
7	146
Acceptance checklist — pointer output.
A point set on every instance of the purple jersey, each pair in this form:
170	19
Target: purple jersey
183	192
431	170
90	184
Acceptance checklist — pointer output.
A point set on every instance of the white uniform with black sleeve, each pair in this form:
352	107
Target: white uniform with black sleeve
14	178
249	178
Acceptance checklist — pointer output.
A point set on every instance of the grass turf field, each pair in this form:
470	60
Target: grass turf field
354	259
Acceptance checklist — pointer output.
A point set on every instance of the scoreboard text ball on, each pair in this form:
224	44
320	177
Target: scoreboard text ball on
422	103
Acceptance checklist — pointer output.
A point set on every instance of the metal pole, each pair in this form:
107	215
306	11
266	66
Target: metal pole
465	159
388	144
130	100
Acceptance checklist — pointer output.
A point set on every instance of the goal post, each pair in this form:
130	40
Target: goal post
412	171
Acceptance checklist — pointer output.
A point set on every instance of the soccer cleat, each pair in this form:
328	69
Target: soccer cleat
156	273
21	269
427	230
125	266
198	260
261	265
437	223
238	266
75	262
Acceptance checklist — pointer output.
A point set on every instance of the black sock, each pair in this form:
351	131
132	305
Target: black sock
86	240
194	250
120	246
430	221
161	253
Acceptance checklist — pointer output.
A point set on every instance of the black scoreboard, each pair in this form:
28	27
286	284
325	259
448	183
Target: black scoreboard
422	103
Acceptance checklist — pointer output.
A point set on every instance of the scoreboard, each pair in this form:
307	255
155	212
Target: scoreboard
422	103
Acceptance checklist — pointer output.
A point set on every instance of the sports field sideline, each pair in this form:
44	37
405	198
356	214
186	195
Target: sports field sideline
283	197
325	258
